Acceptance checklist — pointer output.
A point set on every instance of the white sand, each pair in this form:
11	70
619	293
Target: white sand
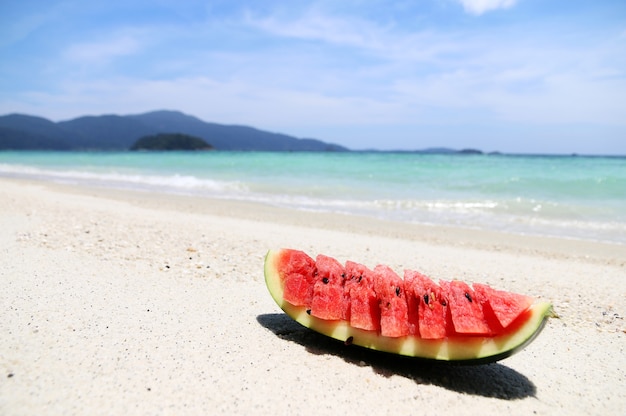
132	303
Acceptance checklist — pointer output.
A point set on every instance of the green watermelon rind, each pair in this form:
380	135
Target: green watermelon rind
460	349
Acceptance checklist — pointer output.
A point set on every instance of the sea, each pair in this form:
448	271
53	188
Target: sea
577	197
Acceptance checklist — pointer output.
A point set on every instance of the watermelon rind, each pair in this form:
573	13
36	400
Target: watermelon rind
458	349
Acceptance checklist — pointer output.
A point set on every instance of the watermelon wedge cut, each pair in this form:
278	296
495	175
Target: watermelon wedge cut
414	316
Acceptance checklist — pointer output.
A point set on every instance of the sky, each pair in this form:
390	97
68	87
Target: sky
524	76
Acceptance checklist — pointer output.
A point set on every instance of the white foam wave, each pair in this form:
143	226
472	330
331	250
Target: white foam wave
127	180
469	214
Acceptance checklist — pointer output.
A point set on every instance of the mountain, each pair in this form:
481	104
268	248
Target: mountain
229	137
115	132
18	131
107	132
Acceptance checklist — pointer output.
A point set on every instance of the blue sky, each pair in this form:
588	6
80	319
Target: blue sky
510	75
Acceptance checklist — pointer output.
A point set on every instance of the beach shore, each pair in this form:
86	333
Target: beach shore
120	302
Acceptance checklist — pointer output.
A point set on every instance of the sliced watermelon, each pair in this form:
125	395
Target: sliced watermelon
359	287
376	309
389	289
297	270
466	312
506	306
428	300
328	300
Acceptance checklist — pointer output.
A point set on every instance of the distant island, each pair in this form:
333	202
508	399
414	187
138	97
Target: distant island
171	141
471	152
120	133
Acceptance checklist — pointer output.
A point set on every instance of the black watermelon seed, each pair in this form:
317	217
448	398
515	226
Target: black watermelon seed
360	278
343	275
443	302
426	298
308	311
467	295
397	290
349	341
325	280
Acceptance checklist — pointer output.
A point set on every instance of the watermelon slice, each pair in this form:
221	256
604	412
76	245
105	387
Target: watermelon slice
298	270
427	302
412	316
505	306
363	304
389	288
328	300
465	311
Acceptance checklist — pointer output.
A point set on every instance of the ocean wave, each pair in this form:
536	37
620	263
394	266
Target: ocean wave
127	180
599	219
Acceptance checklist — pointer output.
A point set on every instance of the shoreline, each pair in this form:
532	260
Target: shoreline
131	302
565	247
510	198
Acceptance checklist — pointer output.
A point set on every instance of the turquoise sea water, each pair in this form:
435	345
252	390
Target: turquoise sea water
575	197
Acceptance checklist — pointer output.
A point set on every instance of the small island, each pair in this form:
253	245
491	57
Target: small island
470	152
171	141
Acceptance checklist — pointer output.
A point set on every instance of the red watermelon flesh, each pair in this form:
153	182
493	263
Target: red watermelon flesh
426	300
297	272
466	311
412	301
381	301
389	288
328	299
359	286
378	309
506	306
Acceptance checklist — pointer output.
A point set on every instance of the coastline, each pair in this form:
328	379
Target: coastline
584	200
124	301
601	252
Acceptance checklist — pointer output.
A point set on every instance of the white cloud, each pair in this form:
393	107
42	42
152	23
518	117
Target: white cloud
313	25
102	51
478	7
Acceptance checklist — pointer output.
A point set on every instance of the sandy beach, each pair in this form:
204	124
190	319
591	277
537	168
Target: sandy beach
119	302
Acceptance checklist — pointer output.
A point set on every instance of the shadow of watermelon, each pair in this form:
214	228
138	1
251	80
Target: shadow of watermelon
489	380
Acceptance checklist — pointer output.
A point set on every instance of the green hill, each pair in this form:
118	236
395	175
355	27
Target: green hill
172	141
